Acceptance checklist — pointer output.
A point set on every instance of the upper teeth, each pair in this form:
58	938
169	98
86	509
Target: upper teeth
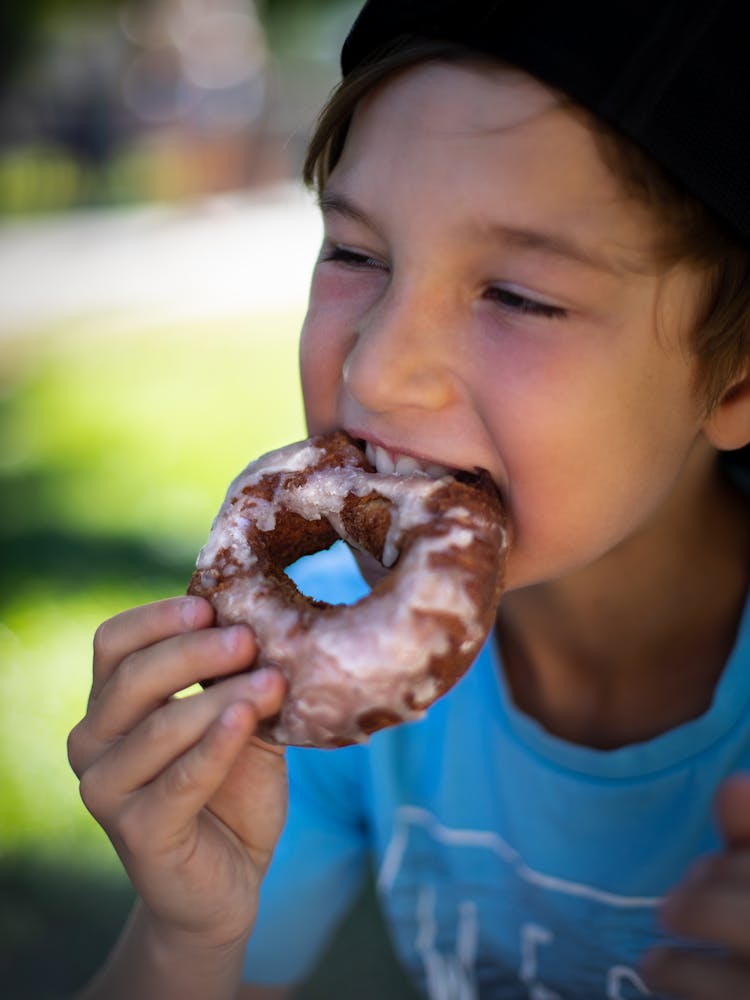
401	465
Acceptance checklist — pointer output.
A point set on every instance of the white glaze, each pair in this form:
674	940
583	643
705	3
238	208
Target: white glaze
378	653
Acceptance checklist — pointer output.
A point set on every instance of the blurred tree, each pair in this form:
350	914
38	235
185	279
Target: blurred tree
276	6
21	20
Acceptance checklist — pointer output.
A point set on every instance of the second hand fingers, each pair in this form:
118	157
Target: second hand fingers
165	808
696	976
147	679
138	628
170	732
713	904
150	677
160	823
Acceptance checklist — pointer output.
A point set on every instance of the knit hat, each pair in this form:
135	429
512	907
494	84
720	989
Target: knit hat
672	75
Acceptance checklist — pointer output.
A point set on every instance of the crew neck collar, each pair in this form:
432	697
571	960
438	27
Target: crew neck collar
669	749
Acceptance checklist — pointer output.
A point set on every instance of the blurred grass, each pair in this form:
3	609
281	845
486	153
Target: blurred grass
134	434
115	450
42	178
116	447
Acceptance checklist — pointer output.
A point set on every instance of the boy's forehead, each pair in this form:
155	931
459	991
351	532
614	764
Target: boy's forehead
671	76
474	131
473	97
505	158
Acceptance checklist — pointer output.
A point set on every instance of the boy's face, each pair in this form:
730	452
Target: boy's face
485	296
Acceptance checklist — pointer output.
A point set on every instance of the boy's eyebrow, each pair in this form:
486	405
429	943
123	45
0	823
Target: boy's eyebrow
559	245
332	202
517	237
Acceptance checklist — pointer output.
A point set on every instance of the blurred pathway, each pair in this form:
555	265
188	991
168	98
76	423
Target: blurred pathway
225	256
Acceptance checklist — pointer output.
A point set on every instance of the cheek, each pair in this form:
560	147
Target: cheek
591	451
321	357
337	303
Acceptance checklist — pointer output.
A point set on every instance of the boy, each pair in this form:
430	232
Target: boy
505	282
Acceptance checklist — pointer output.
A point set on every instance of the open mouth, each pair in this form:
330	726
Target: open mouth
389	463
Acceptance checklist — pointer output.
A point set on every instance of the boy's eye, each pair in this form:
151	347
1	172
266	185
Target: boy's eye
515	302
343	255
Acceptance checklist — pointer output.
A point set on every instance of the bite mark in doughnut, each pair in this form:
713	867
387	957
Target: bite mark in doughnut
354	669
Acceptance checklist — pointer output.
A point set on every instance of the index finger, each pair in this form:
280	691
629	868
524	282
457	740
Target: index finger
138	628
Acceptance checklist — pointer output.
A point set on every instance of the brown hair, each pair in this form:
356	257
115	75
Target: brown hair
690	231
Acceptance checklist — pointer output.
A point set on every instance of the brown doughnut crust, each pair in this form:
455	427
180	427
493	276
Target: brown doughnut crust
354	669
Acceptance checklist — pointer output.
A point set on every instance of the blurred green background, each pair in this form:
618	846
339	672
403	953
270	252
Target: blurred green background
154	253
115	449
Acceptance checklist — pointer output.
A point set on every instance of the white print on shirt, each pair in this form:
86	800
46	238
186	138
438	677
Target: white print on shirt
452	971
533	935
449	977
618	977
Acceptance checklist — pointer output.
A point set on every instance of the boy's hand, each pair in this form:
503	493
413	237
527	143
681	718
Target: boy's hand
192	803
712	905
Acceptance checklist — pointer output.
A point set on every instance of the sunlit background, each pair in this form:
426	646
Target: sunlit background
155	249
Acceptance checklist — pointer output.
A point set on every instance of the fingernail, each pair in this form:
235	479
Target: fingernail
261	680
189	611
233	716
231	637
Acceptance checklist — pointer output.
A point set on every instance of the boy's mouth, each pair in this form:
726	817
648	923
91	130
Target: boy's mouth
390	463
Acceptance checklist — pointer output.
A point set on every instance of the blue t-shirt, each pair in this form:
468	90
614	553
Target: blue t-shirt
510	864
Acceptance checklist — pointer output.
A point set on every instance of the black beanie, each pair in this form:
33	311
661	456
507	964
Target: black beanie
670	74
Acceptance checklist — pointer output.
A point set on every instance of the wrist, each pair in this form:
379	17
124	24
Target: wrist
192	959
154	960
176	939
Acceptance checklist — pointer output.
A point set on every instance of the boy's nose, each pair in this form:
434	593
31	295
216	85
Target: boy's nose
402	356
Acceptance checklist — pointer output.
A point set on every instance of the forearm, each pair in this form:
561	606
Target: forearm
153	965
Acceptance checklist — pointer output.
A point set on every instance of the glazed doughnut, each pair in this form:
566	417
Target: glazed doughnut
354	669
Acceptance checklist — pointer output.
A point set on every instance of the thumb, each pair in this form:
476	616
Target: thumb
733	810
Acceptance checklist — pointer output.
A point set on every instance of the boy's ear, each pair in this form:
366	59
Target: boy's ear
728	425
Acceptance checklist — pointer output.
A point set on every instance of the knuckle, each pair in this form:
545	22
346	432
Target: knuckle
101	640
75	748
181	779
158	727
131	828
126	677
90	790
